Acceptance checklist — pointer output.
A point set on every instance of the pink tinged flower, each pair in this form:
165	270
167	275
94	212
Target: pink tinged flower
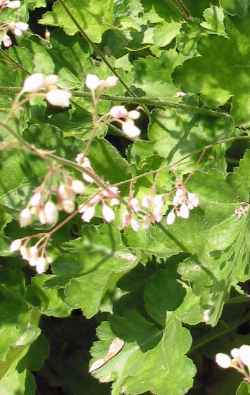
92	82
111	81
114	202
51	79
108	213
59	97
13	4
36	199
118	112
65	192
25	217
78	187
68	206
7	42
193	199
41	265
24	251
15	245
87	178
88	213
20	28
244	355
95	200
135	224
146	201
134	204
183	211
125	219
110	192
41	216
180	197
223	360
51	213
171	217
134	114
235	352
130	130
34	83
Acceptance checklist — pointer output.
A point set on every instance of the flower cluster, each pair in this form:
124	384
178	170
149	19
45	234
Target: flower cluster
108	198
47	85
242	210
35	254
94	83
13	4
126	119
84	162
43	208
16	28
141	214
239	360
183	202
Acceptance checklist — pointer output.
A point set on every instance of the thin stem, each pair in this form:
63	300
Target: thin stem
94	46
13	61
183	9
214	336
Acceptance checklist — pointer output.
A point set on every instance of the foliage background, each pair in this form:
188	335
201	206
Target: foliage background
186	295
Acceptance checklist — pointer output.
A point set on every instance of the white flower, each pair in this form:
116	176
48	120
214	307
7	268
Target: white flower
65	192
13	4
134	204
42	217
59	97
193	200
19	28
235	352
36	199
180	94
68	206
92	82
78	187
223	360
7	42
88	213
135	224
134	114
41	265
183	211
25	217
244	355
34	83
171	217
24	251
111	81
108	213
15	245
51	212
118	112
129	128
51	79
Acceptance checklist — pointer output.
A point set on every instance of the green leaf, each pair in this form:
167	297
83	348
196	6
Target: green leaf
214	20
93	17
146	349
239	7
204	74
244	389
241	178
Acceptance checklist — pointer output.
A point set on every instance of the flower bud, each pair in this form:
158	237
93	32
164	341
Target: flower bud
25	217
15	245
51	212
68	206
108	213
24	251
92	82
65	192
135	224
78	187
13	4
59	97
88	213
118	112
171	217
193	199
223	360
51	79
130	129
134	114
111	81
235	352
36	199
244	355
183	211
7	42
41	265
34	83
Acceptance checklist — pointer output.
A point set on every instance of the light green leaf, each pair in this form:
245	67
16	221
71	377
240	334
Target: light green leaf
241	178
146	349
214	20
93	17
244	389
